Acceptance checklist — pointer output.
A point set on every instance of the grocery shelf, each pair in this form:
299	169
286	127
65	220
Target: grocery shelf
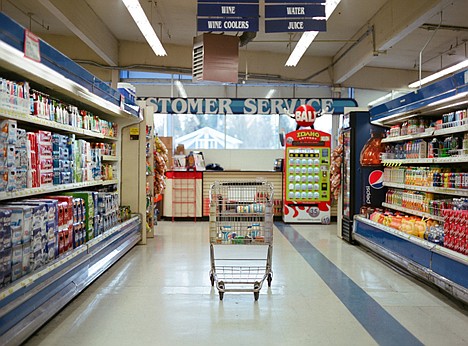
428	133
13	60
440	266
413	212
29	302
412	238
51	125
451	159
399	162
52	189
439	190
450	130
110	158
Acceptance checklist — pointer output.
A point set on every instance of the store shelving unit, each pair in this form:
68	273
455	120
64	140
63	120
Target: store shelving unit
29	302
149	153
441	266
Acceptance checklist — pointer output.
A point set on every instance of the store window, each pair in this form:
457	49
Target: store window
230	131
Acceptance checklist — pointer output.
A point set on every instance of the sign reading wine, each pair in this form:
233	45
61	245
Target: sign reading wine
227	15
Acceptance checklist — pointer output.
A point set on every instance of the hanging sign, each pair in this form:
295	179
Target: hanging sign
227	15
294	16
31	46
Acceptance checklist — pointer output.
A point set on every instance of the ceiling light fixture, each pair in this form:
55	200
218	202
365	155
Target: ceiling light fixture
139	16
439	74
308	36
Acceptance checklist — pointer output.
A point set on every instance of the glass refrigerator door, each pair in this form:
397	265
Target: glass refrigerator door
346	172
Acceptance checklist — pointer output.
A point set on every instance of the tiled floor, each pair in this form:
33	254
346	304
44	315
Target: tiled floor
324	292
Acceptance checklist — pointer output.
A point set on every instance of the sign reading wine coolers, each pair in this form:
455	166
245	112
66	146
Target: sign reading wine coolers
227	15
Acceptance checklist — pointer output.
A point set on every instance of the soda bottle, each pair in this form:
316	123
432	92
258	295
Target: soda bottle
370	153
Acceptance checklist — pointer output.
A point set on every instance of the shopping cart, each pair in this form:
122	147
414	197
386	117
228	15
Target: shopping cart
241	216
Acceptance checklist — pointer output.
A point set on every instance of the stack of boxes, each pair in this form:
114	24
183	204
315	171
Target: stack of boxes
34	232
14	96
82	161
5	247
45	163
63	164
21	159
106	211
8	136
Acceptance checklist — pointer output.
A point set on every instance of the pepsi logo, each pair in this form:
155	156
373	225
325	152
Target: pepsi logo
376	179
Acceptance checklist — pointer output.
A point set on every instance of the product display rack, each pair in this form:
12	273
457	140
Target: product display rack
150	222
27	303
436	264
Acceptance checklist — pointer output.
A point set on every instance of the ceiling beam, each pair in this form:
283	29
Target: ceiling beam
84	23
394	21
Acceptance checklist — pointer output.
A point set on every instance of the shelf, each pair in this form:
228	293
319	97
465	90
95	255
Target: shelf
428	133
14	61
413	212
110	158
408	137
439	190
399	162
450	130
433	263
400	234
435	160
51	125
53	189
29	302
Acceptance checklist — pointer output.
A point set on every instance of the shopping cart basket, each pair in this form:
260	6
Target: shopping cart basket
241	216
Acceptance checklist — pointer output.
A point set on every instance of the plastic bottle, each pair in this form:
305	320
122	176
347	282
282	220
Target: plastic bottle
370	153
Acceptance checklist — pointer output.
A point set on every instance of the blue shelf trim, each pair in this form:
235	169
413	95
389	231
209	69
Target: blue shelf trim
412	101
452	270
12	33
430	258
395	244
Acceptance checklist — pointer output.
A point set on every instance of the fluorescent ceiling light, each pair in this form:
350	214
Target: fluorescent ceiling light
439	74
139	16
308	36
181	89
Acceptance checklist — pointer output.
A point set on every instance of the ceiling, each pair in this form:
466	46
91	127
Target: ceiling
441	28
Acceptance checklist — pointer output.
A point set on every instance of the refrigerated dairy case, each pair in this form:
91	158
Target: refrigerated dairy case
307	177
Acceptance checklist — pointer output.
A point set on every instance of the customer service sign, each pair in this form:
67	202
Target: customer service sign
247	105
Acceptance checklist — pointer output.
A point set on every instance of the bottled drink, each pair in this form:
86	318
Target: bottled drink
370	153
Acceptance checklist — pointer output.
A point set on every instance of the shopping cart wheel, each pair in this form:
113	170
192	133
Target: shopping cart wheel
256	290
212	279
269	278
221	290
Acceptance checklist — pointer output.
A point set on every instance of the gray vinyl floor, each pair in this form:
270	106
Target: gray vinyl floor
324	292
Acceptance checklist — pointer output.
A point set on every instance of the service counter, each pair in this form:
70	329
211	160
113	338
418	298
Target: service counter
199	198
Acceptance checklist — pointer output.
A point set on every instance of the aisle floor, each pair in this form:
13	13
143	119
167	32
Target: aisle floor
324	292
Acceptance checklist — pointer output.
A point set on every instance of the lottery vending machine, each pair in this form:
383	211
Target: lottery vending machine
307	177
